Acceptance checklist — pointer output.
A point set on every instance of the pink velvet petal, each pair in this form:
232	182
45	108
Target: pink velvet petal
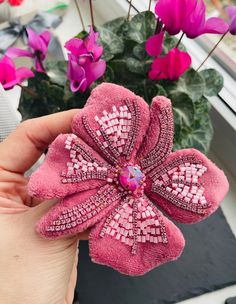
113	122
47	181
158	141
211	186
77	212
109	251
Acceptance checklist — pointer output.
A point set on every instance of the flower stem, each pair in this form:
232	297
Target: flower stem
91	12
159	27
28	91
129	10
221	38
149	6
180	39
80	15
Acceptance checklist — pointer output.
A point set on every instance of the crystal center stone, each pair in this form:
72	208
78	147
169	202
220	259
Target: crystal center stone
131	178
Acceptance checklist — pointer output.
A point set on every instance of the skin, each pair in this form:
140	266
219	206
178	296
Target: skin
33	270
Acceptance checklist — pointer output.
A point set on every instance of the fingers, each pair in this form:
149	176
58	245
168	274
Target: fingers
22	148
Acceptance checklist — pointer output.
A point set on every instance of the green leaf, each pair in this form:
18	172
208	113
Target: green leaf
191	83
200	133
183	108
170	42
135	66
82	35
115	24
141	27
214	82
57	71
111	43
109	74
139	51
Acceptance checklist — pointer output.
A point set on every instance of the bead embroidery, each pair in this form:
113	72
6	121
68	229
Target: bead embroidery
116	131
133	221
83	165
80	213
165	141
178	183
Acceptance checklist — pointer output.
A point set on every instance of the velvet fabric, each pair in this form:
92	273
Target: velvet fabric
128	232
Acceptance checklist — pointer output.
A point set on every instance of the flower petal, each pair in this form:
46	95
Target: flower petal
171	66
114	242
77	212
14	52
23	73
76	46
76	75
91	44
232	27
113	122
231	10
7	60
33	40
194	20
215	26
187	186
45	36
154	44
172	14
158	141
38	42
94	71
65	169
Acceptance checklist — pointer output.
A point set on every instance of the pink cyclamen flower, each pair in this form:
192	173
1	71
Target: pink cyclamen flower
10	75
188	16
38	47
13	2
113	172
231	12
171	66
85	65
154	44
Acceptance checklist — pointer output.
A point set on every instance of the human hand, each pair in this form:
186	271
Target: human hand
33	270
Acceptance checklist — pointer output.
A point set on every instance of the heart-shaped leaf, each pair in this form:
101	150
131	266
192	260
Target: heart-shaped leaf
214	82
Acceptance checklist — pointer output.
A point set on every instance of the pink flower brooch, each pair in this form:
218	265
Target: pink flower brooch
113	172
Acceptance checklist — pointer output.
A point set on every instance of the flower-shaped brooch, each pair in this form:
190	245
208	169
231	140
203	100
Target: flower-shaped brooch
113	173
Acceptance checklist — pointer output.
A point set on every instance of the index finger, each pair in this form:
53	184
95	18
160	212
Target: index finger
22	148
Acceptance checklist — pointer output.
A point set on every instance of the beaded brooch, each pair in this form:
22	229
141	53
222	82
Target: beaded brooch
114	170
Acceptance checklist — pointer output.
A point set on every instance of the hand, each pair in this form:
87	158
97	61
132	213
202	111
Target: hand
33	270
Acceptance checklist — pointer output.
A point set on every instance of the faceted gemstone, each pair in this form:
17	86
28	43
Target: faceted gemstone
131	178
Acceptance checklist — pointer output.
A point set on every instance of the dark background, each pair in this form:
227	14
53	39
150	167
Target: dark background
207	263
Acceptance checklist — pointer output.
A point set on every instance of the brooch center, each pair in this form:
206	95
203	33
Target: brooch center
131	178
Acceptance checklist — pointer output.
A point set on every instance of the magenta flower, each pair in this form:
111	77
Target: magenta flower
171	66
85	65
188	16
38	46
231	12
154	44
10	76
